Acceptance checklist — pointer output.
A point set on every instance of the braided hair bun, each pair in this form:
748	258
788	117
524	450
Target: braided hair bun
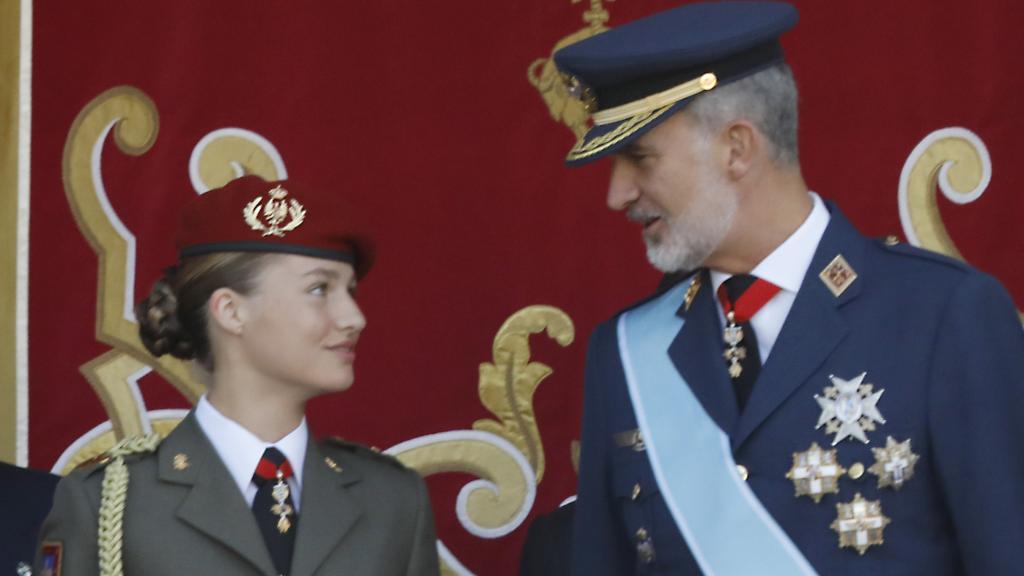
160	328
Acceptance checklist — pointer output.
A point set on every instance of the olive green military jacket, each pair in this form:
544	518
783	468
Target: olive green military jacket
362	514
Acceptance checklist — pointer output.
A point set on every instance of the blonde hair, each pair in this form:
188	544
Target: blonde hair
173	320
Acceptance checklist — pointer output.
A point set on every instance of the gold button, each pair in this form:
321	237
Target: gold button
641	534
892	240
743	472
856	471
636	492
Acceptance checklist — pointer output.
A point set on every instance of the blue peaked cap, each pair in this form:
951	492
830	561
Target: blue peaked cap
633	77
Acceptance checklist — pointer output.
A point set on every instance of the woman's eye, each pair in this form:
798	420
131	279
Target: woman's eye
319	289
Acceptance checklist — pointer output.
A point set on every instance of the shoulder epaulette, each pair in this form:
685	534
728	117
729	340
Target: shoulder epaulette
893	244
133	445
360	449
95	463
890	240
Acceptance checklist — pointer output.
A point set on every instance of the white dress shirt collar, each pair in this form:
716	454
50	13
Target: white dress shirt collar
785	267
241	450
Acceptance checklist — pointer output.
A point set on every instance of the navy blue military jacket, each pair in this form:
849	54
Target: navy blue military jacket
25	499
944	342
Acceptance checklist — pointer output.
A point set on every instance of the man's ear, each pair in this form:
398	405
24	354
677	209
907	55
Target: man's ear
226	310
743	142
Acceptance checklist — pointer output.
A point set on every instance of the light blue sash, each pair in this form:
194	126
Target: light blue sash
727	529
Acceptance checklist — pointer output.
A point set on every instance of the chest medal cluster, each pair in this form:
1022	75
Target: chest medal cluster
849	411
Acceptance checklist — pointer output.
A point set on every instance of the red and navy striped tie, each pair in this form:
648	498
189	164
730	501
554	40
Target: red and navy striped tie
275	512
741	297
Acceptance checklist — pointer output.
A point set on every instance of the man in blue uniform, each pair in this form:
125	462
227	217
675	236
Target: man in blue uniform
808	401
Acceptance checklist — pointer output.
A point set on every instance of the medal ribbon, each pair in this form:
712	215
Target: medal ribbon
750	301
267	470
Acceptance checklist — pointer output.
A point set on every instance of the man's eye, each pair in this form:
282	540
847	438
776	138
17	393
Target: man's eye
319	289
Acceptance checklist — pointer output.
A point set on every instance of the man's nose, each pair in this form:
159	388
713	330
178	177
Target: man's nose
622	188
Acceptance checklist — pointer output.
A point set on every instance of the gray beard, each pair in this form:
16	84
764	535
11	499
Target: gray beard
692	237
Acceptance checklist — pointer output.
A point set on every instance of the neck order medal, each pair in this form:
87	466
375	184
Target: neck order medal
282	509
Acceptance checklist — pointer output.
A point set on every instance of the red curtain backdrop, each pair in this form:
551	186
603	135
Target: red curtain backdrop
424	115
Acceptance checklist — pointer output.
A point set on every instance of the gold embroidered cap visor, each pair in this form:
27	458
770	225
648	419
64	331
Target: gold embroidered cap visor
635	76
250	214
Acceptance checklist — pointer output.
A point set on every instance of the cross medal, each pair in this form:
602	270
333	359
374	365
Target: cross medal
282	509
849	408
733	335
860	524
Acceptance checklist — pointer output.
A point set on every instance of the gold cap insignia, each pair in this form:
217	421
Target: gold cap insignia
180	461
579	91
815	472
838	275
860	524
279	215
894	464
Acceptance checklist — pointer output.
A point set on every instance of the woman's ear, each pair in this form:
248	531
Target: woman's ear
226	310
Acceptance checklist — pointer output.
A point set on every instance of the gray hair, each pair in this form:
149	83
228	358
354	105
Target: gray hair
767	99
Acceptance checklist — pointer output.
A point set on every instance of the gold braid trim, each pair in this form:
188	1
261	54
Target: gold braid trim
112	499
583	148
655	101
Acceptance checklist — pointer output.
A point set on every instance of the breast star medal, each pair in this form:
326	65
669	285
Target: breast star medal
281	509
848	408
894	464
815	472
860	524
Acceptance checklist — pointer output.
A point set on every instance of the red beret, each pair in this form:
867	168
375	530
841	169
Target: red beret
250	214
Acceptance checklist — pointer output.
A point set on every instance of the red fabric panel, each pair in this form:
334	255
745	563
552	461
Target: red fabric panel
422	113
